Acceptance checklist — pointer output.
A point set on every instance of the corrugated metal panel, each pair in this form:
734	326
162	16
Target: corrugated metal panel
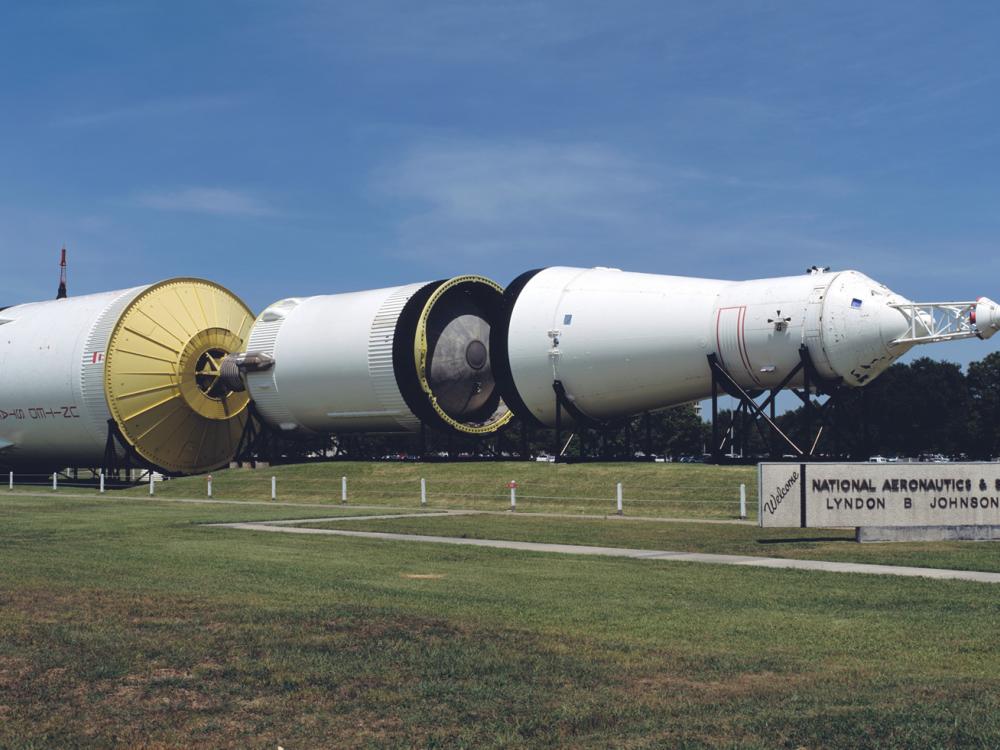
263	339
92	390
380	358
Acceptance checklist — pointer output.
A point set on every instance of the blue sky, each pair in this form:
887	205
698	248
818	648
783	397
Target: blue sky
290	148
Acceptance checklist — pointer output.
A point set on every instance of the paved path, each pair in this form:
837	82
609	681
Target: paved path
636	554
328	519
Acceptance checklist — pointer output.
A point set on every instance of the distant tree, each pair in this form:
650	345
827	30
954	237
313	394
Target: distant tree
983	439
922	407
926	406
678	431
743	436
927	411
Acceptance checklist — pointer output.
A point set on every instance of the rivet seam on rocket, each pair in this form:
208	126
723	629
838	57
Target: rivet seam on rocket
420	347
161	374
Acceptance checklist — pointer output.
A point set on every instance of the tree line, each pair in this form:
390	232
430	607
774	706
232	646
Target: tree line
923	407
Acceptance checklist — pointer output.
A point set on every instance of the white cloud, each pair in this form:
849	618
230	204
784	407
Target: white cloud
208	200
159	108
477	198
456	29
501	182
581	203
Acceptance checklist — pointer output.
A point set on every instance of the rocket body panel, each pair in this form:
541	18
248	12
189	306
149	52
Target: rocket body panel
618	341
140	359
385	360
622	343
757	326
329	353
49	354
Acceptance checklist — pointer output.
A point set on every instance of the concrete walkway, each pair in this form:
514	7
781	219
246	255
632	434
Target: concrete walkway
636	554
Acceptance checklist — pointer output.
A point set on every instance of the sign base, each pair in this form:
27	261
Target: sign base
927	533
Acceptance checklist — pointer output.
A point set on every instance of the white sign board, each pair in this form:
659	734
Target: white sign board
850	494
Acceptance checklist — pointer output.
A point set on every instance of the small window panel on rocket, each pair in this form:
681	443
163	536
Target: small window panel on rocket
856	303
567	319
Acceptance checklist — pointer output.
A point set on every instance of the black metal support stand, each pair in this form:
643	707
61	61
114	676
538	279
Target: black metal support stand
581	420
114	465
865	434
763	414
258	442
249	447
557	446
716	443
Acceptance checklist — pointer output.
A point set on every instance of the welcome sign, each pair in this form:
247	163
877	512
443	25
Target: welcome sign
861	494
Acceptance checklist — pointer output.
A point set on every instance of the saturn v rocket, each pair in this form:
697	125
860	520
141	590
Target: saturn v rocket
169	370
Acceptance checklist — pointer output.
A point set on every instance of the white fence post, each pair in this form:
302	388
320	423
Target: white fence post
12	480
55	481
619	493
151	490
102	482
423	491
274	488
209	485
513	495
343	489
743	501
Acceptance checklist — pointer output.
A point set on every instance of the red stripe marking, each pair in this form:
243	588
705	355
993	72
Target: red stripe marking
739	340
718	341
744	353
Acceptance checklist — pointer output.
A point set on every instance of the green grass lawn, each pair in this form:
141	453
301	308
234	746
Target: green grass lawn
728	539
678	490
126	623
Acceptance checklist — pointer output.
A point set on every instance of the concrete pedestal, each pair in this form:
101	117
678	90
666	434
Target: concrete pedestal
927	533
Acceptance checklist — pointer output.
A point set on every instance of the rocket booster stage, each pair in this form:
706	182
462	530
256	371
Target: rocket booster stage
139	363
623	343
385	360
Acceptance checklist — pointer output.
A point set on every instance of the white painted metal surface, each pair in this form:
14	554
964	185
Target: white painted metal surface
333	363
380	360
138	358
52	405
932	322
622	343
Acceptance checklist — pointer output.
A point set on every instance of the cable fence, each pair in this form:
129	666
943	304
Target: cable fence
708	494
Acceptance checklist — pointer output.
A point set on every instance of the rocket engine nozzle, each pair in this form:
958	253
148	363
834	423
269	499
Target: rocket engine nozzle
233	367
442	357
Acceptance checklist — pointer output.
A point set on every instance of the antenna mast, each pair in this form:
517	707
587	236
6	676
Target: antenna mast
61	294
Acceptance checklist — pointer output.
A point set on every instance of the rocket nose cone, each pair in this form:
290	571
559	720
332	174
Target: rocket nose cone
860	324
987	317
